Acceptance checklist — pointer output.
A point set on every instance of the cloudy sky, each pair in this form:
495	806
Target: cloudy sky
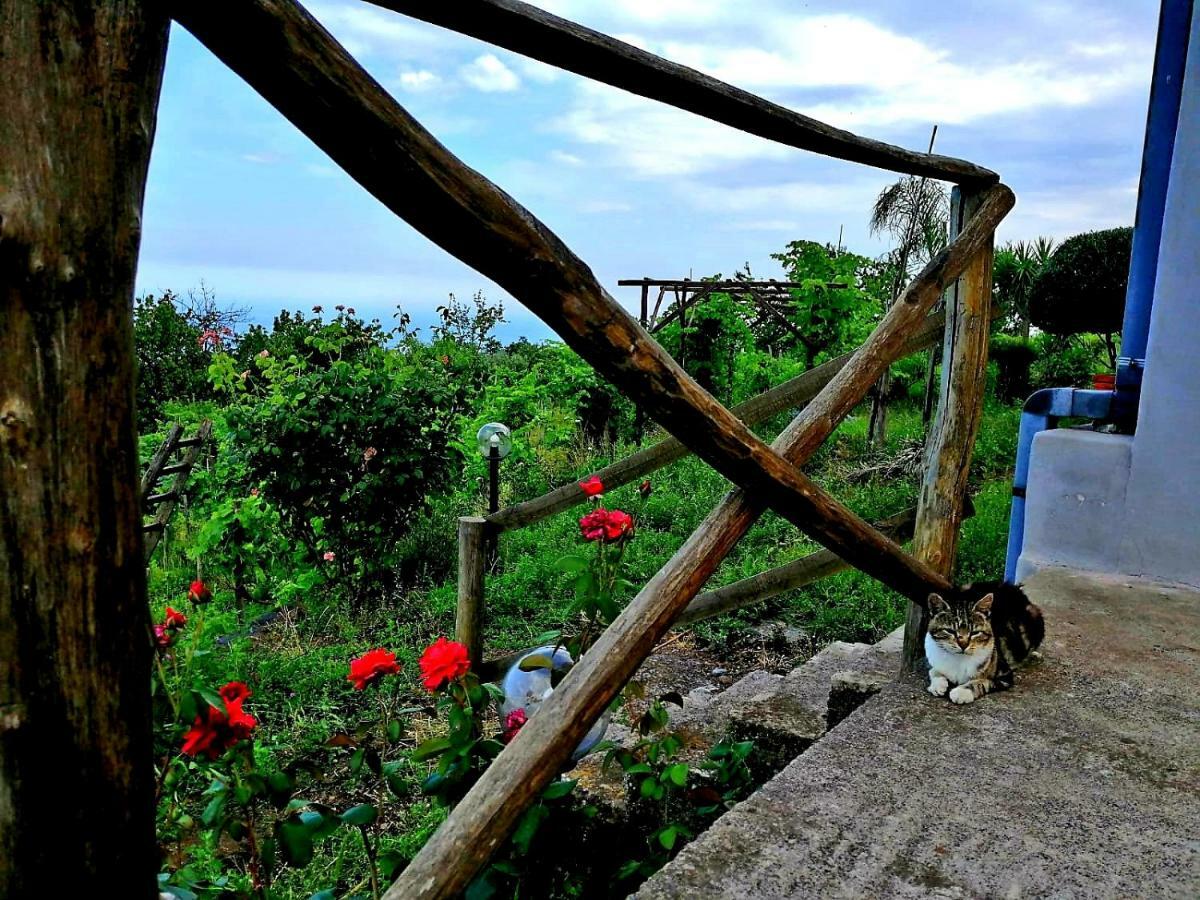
1050	94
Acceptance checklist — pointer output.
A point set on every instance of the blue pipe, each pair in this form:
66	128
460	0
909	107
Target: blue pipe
1162	120
1041	413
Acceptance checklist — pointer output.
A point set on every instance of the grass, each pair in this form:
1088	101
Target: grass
297	666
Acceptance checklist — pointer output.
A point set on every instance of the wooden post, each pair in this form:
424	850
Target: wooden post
472	559
952	438
79	96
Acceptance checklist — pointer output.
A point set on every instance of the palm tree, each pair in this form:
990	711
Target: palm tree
1016	267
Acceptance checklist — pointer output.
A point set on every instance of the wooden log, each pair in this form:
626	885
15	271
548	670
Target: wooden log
473	831
792	393
747	591
951	441
159	459
781	579
532	32
79	96
472	557
297	66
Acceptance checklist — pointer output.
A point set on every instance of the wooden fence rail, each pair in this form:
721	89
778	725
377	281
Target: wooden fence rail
532	32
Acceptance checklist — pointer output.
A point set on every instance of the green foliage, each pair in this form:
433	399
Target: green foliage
1068	361
348	443
171	362
1015	269
1014	357
1082	287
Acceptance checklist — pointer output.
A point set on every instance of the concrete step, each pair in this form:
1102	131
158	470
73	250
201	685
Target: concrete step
1081	781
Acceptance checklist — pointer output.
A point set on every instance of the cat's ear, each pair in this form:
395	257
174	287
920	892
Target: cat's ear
984	604
937	603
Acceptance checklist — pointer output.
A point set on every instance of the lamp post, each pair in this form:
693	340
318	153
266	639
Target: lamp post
495	442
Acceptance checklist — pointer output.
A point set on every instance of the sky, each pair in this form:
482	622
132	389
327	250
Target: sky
1050	94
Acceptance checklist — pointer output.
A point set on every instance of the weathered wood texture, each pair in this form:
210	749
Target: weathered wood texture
792	393
446	864
472	558
168	500
951	440
159	459
297	66
530	31
78	100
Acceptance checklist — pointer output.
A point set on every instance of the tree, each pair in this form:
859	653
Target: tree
1014	271
1082	288
80	96
915	212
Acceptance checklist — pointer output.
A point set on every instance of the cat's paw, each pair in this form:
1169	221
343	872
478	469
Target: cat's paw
938	686
962	694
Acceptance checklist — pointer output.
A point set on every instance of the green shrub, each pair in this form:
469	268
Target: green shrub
348	452
1082	288
1014	357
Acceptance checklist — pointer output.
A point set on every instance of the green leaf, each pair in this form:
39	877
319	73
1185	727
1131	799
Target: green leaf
212	698
296	843
667	837
323	895
212	813
356	760
527	828
559	789
678	774
535	662
431	748
394	730
570	564
363	814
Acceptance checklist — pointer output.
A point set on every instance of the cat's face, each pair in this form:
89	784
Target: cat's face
961	625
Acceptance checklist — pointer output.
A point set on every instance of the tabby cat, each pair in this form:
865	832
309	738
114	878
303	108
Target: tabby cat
976	635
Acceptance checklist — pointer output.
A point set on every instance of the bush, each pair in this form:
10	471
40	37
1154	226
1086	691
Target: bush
1082	288
348	452
1014	357
1067	362
172	363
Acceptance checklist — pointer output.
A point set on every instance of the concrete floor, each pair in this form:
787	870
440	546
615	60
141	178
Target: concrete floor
1083	781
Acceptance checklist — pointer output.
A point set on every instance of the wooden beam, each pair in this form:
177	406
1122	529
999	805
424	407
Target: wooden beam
472	559
159	459
79	95
182	471
951	441
532	32
473	831
793	393
298	67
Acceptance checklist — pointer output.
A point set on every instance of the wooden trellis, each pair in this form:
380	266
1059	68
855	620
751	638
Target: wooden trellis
76	136
160	466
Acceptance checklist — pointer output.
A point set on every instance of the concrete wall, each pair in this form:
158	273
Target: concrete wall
1132	506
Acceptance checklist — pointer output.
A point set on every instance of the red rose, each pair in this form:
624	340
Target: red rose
606	525
592	487
372	666
214	730
618	524
198	592
645	488
442	662
234	692
513	723
175	619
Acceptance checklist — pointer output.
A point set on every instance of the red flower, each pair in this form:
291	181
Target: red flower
645	488
163	636
234	692
216	730
372	666
198	592
442	662
592	487
175	619
513	723
605	525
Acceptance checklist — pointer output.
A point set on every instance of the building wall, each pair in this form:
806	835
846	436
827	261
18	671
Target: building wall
1109	503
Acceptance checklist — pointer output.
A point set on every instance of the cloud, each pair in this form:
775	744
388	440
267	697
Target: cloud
418	81
262	159
488	74
850	72
567	159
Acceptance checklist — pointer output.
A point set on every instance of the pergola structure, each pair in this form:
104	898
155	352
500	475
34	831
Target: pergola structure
79	99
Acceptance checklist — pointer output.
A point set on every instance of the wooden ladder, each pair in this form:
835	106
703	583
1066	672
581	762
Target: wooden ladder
160	467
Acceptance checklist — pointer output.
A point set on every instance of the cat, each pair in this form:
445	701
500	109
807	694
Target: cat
976	635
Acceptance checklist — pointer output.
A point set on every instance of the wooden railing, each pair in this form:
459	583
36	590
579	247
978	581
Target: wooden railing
285	54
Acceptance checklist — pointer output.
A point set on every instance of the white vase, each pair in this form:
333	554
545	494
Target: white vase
527	690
